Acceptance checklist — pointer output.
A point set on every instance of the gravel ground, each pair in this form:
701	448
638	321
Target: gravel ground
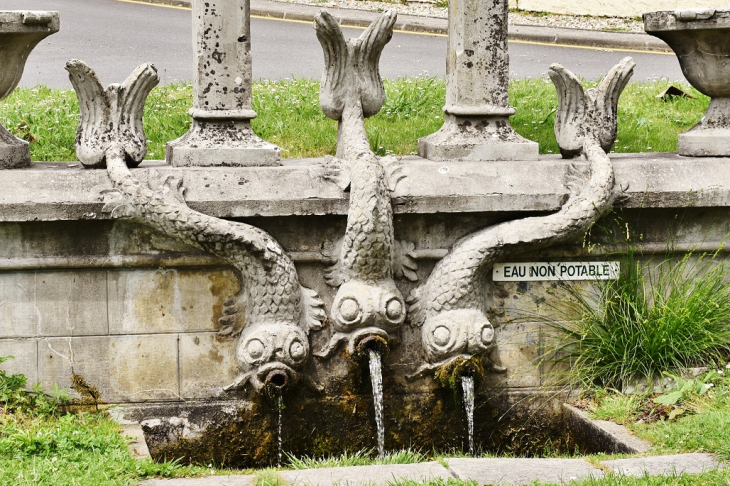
429	9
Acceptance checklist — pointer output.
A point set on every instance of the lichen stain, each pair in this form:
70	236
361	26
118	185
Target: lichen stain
89	394
214	355
318	426
222	285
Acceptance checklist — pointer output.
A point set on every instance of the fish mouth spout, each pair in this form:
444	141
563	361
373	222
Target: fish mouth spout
366	340
275	377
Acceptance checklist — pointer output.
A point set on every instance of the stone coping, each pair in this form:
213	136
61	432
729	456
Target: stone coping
65	191
501	471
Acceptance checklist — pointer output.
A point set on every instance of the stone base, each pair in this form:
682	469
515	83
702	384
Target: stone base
711	136
477	138
221	143
705	143
14	152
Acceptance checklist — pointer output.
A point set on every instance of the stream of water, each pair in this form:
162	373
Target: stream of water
467	385
376	378
280	407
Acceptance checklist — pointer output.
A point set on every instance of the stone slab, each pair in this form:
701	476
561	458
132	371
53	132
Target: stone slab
662	465
707	142
371	475
611	436
521	471
121	368
135	440
185	156
25	358
167	300
207	364
72	303
19	317
53	191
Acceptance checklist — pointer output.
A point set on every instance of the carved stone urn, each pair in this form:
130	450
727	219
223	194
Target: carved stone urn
701	40
20	32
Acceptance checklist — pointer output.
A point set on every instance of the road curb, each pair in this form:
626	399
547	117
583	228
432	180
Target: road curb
412	23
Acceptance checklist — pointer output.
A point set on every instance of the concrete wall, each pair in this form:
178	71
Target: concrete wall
123	314
611	8
134	314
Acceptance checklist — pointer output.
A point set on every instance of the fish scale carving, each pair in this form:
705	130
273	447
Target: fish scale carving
367	303
450	306
278	311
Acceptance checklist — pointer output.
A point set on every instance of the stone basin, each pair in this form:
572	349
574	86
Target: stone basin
701	40
20	32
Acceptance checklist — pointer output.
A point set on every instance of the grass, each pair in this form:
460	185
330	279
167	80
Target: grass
708	412
288	109
42	444
366	457
657	317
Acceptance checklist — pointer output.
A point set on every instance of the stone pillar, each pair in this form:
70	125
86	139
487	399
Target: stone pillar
221	133
477	108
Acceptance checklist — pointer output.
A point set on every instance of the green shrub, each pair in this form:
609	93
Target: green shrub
655	318
15	397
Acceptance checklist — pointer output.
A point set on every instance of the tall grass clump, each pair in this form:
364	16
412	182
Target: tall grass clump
656	317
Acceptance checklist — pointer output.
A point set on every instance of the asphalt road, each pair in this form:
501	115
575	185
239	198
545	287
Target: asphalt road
114	37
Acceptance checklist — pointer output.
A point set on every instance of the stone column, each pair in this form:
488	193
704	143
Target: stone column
477	108
221	133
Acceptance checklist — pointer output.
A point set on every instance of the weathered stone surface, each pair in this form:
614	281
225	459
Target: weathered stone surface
521	471
25	358
20	317
518	350
674	464
367	304
20	32
452	298
72	303
52	191
168	300
364	475
207	364
115	368
476	126
575	104
111	115
137	445
221	134
701	40
601	434
272	312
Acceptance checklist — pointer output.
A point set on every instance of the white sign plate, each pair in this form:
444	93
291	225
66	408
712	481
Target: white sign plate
534	271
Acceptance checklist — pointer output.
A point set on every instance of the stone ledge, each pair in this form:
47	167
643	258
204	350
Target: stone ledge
606	436
59	191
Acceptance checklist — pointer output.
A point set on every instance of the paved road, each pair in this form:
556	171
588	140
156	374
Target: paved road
114	36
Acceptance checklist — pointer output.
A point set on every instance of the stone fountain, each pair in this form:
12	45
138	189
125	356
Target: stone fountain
701	40
224	286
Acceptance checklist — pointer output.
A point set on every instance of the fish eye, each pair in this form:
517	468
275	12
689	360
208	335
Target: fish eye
441	335
350	310
487	334
297	350
394	309
255	349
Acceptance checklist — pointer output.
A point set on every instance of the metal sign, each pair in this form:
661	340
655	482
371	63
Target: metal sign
534	271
